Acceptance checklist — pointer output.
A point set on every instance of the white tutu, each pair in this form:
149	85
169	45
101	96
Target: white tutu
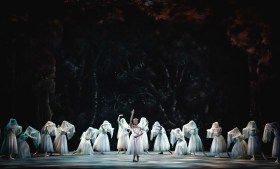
46	143
23	150
123	140
195	143
60	144
85	147
9	145
254	145
276	146
161	143
181	148
218	145
239	150
145	141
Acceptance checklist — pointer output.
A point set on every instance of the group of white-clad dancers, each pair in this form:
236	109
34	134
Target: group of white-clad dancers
133	139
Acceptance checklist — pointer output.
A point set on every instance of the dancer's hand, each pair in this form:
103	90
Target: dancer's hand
132	112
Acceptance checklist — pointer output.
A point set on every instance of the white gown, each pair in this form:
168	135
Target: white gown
87	139
123	135
11	131
23	146
161	143
273	129
135	145
177	137
102	143
46	141
218	143
239	149
60	142
190	131
143	124
254	142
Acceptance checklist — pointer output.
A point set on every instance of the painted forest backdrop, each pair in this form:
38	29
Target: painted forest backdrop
89	61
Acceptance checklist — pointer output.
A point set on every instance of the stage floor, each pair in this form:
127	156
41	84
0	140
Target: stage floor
151	160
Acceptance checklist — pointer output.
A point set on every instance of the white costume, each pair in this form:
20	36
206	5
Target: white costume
23	147
190	131
251	132
46	142
273	129
102	143
218	143
11	131
87	139
123	134
60	141
177	137
135	145
239	149
161	143
143	124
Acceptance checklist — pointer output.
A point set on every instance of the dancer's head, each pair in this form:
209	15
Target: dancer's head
135	121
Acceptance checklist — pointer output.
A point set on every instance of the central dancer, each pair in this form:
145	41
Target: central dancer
135	145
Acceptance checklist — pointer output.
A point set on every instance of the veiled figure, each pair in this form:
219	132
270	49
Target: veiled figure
161	143
190	131
143	124
102	143
87	139
46	141
123	134
62	134
9	145
218	143
272	131
23	146
239	149
177	137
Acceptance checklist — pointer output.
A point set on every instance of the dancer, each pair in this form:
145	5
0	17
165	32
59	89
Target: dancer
102	143
239	149
218	143
161	143
143	124
122	135
88	137
251	133
46	141
135	145
23	147
273	129
177	137
60	142
190	131
9	145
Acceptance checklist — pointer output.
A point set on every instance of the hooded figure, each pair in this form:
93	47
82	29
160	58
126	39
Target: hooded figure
143	124
218	143
239	149
273	130
123	134
46	142
102	143
87	139
177	137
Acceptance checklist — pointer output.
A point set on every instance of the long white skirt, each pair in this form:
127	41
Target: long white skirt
46	143
23	150
254	145
9	145
135	145
181	148
85	147
218	145
102	143
195	144
161	143
123	141
239	150
61	145
145	141
276	147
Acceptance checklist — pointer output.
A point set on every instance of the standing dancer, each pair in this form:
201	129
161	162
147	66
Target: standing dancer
9	145
190	131
102	143
239	149
143	124
219	144
135	145
46	141
273	129
177	137
88	137
251	133
161	143
122	135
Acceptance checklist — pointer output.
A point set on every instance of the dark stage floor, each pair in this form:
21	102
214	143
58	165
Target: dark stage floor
151	160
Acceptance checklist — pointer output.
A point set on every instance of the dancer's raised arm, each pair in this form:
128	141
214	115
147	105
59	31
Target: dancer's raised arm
131	118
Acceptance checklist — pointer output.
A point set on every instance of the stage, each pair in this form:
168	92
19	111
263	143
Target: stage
150	160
